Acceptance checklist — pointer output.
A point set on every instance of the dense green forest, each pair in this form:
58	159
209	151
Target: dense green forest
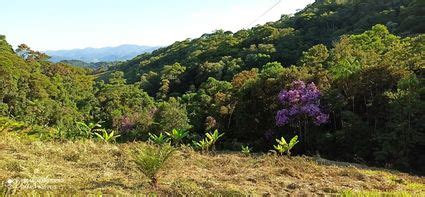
98	66
359	63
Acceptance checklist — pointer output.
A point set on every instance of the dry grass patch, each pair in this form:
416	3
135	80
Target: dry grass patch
87	167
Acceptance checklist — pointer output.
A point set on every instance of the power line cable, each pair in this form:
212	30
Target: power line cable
263	14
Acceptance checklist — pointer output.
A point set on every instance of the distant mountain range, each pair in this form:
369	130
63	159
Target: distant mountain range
106	54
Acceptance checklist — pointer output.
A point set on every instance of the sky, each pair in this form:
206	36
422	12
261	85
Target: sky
69	24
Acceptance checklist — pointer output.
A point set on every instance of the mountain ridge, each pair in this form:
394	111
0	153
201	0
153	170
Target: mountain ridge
106	54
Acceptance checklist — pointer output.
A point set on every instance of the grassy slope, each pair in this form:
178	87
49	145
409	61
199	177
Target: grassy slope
88	167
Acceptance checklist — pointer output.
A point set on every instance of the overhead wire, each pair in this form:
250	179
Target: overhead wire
264	13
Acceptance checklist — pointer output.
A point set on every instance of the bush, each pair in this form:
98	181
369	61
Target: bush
171	115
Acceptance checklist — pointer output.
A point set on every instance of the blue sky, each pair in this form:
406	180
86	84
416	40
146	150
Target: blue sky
60	24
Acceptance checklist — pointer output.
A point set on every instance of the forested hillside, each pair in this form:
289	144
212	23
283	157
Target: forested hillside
323	22
346	76
99	66
233	79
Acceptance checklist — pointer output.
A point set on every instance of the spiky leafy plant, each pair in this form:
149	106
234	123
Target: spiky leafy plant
151	159
283	146
279	148
203	144
177	136
105	137
246	150
87	130
158	139
8	124
213	137
208	141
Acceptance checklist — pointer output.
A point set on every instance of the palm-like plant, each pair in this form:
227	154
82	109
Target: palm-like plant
177	135
86	130
158	139
213	137
105	137
151	159
246	150
203	144
283	146
208	141
6	124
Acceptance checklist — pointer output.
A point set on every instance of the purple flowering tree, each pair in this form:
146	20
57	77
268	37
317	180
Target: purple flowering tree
301	106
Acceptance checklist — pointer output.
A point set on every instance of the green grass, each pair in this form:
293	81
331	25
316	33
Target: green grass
416	186
376	194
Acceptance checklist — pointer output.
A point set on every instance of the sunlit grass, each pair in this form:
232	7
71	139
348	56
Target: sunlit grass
375	194
89	167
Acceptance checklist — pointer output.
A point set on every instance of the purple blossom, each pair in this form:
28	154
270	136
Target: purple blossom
321	118
310	94
310	109
293	96
283	95
301	99
282	117
294	110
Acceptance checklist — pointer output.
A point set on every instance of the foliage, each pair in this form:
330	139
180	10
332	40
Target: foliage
151	159
171	115
283	146
213	137
8	124
366	57
177	136
87	130
105	137
158	139
246	150
124	107
209	141
202	144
